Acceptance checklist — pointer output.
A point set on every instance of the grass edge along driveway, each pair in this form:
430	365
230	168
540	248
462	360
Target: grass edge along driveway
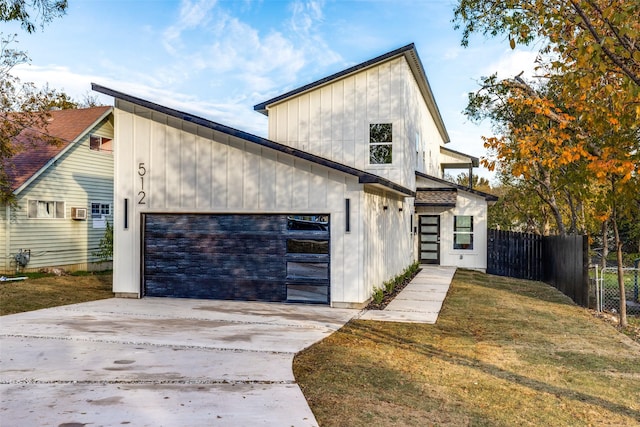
504	352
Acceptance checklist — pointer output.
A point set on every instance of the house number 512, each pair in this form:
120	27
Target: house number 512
142	171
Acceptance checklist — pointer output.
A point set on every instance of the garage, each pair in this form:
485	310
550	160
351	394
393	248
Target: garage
248	257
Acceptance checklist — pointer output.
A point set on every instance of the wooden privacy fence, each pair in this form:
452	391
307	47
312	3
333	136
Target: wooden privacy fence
560	261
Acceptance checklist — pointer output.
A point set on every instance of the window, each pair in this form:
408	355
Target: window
463	232
418	149
99	143
45	209
100	209
380	143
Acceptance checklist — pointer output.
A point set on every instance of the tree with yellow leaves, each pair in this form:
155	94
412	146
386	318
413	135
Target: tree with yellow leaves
578	128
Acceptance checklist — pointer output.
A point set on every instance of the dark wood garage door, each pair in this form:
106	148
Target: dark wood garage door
236	257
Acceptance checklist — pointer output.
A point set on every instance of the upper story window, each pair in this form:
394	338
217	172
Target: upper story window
463	232
380	143
45	209
100	143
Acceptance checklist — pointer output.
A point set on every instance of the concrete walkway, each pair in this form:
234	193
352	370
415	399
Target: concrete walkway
420	301
159	362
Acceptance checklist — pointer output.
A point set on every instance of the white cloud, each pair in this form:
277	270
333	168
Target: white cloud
57	77
511	63
209	43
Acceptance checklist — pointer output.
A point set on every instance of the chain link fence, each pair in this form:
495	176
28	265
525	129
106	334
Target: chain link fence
608	290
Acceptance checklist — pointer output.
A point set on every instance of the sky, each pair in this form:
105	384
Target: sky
217	59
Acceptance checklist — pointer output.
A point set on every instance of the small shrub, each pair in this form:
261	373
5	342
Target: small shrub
378	295
389	286
106	245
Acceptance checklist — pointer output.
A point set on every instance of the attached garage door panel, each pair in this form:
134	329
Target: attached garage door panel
238	257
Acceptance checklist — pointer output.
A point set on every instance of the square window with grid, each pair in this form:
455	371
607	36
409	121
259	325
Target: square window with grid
100	209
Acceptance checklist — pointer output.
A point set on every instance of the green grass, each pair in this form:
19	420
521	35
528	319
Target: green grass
504	352
45	290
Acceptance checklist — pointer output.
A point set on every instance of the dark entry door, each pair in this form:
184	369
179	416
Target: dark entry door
430	239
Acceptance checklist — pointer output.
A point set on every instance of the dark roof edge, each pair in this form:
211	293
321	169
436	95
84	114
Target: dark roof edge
262	107
434	205
436	189
363	177
488	197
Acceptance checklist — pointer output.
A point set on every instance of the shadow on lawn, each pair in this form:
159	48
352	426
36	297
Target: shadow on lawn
367	330
525	288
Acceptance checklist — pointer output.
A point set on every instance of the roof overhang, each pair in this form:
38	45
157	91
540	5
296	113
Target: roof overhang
363	177
490	198
451	159
415	64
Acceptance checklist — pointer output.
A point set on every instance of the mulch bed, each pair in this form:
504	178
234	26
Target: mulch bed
388	297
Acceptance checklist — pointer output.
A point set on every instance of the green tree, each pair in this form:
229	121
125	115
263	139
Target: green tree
31	13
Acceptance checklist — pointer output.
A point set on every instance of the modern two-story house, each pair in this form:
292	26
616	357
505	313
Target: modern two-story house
345	192
62	181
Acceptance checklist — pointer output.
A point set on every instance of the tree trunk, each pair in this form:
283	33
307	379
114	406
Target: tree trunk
623	293
605	242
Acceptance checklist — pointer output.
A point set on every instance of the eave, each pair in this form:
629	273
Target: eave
363	177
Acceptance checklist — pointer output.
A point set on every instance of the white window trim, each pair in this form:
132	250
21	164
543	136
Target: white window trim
471	233
38	201
101	204
394	137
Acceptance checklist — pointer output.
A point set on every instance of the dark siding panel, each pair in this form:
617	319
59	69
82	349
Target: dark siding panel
238	257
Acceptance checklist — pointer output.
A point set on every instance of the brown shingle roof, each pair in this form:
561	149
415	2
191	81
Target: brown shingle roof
441	197
65	125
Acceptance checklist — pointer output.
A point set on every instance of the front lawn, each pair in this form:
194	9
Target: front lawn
44	291
504	352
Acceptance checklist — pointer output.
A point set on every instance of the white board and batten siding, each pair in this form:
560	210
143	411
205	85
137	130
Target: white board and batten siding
388	238
333	120
167	165
78	178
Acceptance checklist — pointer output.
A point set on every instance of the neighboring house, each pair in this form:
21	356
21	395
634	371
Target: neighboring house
344	194
63	193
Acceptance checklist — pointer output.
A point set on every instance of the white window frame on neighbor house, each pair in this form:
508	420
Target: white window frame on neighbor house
46	209
463	233
100	213
100	208
376	144
96	142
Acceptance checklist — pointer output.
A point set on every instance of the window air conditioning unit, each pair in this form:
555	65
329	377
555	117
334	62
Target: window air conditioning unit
78	213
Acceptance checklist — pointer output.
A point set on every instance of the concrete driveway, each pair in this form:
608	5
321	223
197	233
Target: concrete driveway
159	362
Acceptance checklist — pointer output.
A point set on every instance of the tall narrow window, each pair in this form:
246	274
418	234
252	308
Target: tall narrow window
380	143
463	232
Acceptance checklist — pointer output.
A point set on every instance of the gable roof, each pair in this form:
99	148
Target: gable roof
65	126
488	197
363	177
411	55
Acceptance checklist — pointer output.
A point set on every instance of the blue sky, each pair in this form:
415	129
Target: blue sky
219	58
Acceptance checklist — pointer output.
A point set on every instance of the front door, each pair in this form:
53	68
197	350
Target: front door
430	239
